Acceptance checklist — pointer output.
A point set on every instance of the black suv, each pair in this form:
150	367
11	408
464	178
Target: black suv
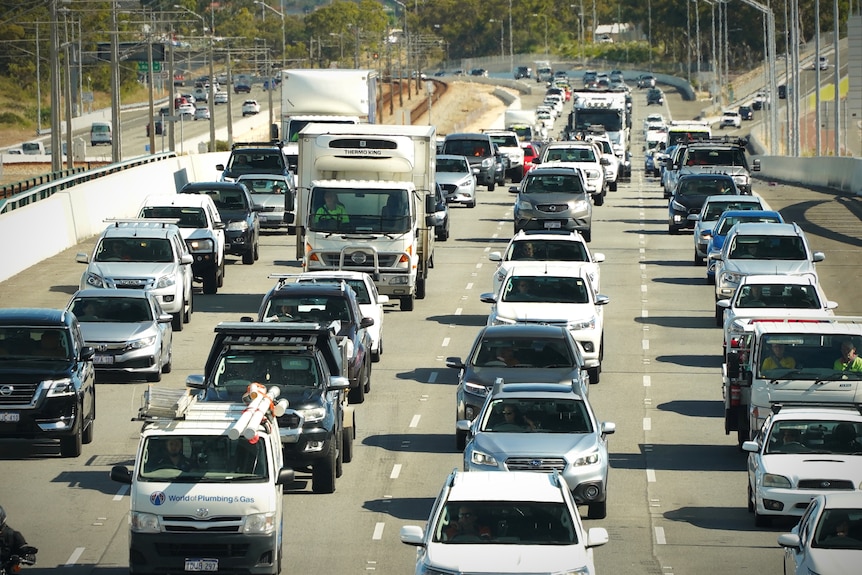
324	304
47	379
239	214
654	96
254	158
304	362
484	156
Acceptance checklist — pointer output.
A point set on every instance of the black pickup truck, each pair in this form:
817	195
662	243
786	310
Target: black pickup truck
304	361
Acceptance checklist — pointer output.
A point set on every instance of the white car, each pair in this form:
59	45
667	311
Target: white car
802	452
370	302
250	108
187	110
554	294
547	246
485	522
456	179
730	119
220	97
709	214
202	113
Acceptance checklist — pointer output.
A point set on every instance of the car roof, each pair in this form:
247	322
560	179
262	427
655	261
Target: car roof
182	200
111	292
785	279
532	235
831	413
702	176
751	213
468	136
522	330
736	199
311	288
224	185
836	499
551	169
34	317
451	157
508	486
143	227
770	229
536	389
551	269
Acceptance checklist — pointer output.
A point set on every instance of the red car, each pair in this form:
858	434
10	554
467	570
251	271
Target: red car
530	152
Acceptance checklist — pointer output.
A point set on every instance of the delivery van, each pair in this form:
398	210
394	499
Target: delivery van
100	133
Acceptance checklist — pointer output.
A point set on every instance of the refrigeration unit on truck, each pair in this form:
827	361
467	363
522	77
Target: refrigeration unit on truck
782	360
366	203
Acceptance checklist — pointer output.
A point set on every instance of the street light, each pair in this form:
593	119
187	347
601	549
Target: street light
545	16
502	48
283	37
211	98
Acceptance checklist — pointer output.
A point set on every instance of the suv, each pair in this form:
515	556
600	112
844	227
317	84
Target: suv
239	214
254	158
711	212
564	436
508	143
527	521
543	352
718	156
304	361
202	230
47	378
586	156
326	303
554	198
654	96
144	254
480	151
757	248
730	119
523	72
689	196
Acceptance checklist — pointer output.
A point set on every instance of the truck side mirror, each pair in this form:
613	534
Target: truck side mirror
273	132
430	204
732	363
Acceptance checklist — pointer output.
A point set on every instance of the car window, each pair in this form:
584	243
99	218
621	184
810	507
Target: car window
509	522
537	416
778	296
545	289
188	217
475	148
545	250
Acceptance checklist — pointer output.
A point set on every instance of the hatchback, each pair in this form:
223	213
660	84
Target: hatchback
202	113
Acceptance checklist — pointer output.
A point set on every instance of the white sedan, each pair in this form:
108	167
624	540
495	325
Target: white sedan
250	108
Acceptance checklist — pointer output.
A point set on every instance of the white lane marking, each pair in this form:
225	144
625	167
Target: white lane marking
445	342
645	344
378	531
469	286
487	249
495	236
659	536
478	266
458	311
643	288
396	471
644	313
76	554
433	377
647	423
647	381
650	475
121	492
415	421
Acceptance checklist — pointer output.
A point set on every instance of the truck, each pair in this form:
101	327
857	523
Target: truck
544	72
365	202
602	108
809	370
524	123
206	486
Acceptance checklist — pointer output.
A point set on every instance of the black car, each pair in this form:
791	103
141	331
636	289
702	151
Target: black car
239	214
325	303
690	194
654	96
746	113
254	158
545	353
523	72
47	379
484	156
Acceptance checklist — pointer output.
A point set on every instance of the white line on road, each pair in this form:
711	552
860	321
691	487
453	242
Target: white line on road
644	313
645	344
445	342
469	285
415	421
643	288
478	266
659	536
647	424
458	311
121	492
76	554
396	471
378	531
647	381
650	475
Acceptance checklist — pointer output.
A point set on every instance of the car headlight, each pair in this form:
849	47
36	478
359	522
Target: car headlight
480	458
166	281
95	280
773	480
475	388
200	246
587	459
731	277
677	207
580	205
259	524
740	179
144	522
503	321
313	414
59	387
141	343
487	162
592	174
466	183
524	205
578	324
237	226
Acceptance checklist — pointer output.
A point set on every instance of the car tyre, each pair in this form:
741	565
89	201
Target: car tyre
491	186
89	431
599	199
612	186
597	510
187	314
761	520
323	472
177	321
595	374
248	257
347	435
471	204
750	500
70	445
357	394
420	288
588	235
460	440
155	376
407	303
697	259
719	316
211	282
339	459
169	364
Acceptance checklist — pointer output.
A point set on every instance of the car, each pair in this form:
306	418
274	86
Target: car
549	246
725	156
758	248
130	332
654	96
746	113
689	196
559	294
509	145
255	158
325	303
730	119
529	525
276	198
480	151
713	208
822	63
543	427
802	452
188	109
456	178
828	537
47	377
523	72
587	156
101	133
370	302
202	113
553	197
441	215
239	213
202	230
250	108
729	218
201	93
646	81
546	353
221	97
614	168
482	72
188	98
143	254
530	153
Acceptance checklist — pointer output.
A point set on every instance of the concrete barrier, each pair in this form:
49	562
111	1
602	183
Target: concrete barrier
843	175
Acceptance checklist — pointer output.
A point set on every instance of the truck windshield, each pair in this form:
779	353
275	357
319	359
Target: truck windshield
814	357
362	211
612	120
203	458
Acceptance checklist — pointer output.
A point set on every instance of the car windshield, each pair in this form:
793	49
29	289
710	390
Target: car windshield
284	369
542	353
476	148
157	250
768	248
728	222
715	209
546	289
548	250
553	184
571	155
112	310
18	342
313	309
453	166
203	459
536	416
506	141
505	522
809	357
819	435
265	186
839	529
187	217
733	157
777	296
358	286
704	187
260	162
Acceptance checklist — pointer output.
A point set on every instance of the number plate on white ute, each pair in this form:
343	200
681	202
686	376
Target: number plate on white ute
201	564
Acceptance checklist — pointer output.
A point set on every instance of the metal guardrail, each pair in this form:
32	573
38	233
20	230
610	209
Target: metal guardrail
65	179
9	190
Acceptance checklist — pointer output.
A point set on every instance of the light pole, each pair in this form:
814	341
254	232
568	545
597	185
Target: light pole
545	16
580	28
697	41
502	49
511	44
211	98
283	37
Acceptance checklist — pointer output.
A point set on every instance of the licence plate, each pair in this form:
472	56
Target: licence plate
201	564
9	417
551	225
103	359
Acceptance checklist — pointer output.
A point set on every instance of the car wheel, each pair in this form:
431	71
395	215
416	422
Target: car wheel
598	510
221	275
248	257
256	251
323	472
420	288
347	435
595	374
672	230
750	500
154	377
588	235
471	204
339	459
719	316
407	303
460	440
491	186
697	259
761	520
70	445
169	364
612	186
519	175
366	385
375	355
211	282
187	313
89	431
177	321
599	199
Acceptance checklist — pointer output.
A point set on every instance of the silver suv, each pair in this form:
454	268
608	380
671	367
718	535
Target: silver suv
554	198
543	427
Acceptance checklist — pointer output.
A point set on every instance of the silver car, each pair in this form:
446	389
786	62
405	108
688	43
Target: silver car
130	332
456	179
276	197
543	427
554	198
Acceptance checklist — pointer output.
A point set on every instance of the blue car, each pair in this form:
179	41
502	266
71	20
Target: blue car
727	220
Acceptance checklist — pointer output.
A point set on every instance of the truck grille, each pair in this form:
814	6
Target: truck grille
133	283
330	260
17	394
544	465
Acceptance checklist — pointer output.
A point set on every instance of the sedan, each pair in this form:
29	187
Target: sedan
654	96
202	113
441	215
220	97
250	108
275	196
456	178
186	109
130	332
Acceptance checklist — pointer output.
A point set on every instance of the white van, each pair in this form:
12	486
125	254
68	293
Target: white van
33	148
100	133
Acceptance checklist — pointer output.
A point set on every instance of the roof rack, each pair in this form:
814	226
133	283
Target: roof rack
163	221
270	143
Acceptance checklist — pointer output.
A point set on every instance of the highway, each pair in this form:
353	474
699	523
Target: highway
677	484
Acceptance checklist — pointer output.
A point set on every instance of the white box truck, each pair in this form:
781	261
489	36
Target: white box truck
365	202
